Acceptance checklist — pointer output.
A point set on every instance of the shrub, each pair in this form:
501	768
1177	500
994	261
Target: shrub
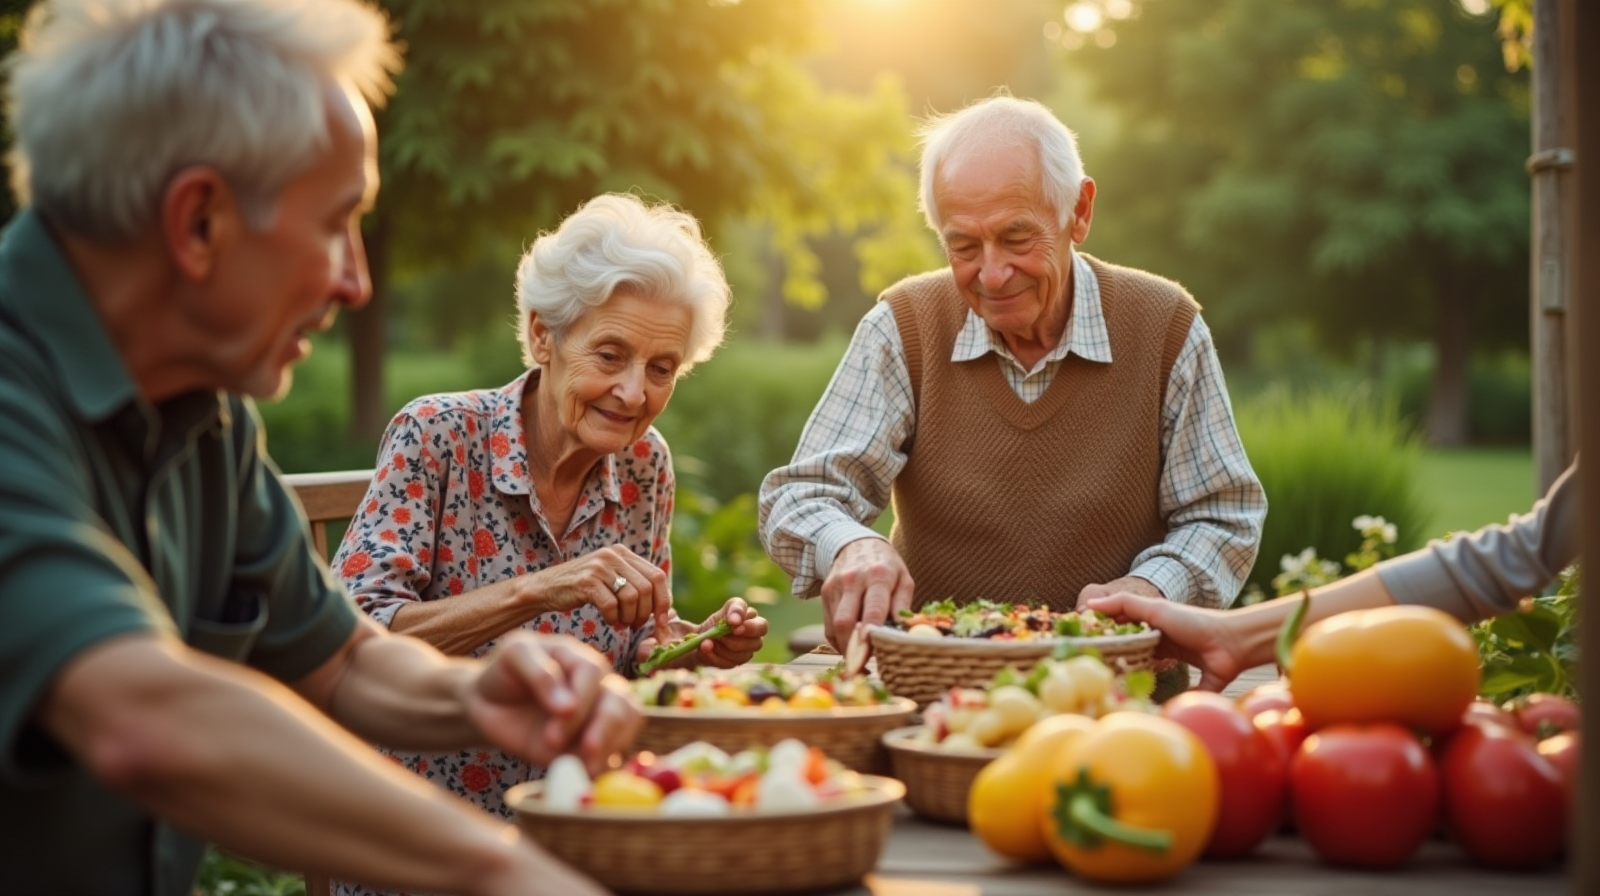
716	554
739	415
1324	460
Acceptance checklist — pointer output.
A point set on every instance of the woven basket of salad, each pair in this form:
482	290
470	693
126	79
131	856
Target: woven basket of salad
736	709
924	653
793	820
968	728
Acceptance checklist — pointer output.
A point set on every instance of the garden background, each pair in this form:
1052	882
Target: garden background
1339	184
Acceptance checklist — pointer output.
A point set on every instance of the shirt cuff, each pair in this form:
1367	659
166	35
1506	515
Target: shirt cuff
832	538
1171	576
1421	578
383	614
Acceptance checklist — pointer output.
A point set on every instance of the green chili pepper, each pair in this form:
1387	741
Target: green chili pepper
666	654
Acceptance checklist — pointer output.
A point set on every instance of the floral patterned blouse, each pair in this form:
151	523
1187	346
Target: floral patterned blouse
451	508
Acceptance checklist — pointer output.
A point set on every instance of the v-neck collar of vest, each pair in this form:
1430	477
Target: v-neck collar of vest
1025	415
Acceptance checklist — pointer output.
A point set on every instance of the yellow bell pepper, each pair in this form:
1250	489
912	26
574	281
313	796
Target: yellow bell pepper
1004	803
1131	801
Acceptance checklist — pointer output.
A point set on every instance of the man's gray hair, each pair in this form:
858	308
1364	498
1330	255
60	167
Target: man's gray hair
997	122
613	243
109	99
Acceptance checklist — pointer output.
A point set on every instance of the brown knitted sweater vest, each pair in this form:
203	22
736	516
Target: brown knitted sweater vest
1020	502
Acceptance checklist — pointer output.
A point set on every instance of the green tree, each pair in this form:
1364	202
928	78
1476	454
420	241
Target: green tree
1356	163
510	113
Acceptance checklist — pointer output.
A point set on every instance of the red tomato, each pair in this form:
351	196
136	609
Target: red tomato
1364	795
1562	752
1503	802
1485	711
1544	715
1253	773
1286	729
1272	695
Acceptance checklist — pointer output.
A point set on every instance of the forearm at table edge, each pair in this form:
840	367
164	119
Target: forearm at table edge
230	754
400	691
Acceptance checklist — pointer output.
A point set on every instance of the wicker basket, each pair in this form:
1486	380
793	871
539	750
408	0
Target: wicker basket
635	851
924	669
936	780
849	734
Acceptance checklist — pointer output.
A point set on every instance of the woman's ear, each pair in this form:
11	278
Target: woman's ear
541	343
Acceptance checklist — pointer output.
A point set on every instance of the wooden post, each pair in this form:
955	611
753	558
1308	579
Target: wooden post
1552	259
1583	22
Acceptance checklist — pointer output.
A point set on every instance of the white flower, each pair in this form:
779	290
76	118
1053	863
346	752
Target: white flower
1390	533
1363	523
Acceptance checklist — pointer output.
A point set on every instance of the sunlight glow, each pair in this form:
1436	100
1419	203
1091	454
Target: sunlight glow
1083	17
1052	31
1474	7
1121	9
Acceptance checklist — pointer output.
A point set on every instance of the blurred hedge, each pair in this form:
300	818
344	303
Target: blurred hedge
1324	459
739	415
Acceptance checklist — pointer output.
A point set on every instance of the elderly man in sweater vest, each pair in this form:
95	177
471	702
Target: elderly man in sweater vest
1050	427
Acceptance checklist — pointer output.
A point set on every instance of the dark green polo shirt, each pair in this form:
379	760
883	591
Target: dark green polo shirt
120	517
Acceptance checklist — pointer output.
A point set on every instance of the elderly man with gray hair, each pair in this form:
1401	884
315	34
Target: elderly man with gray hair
1049	427
176	663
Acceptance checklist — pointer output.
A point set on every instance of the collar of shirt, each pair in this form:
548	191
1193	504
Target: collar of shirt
1085	335
505	434
40	294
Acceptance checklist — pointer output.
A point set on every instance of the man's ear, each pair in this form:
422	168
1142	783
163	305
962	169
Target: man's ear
1083	212
541	342
198	214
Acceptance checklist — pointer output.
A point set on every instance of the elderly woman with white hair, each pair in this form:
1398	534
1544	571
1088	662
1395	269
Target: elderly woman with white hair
545	504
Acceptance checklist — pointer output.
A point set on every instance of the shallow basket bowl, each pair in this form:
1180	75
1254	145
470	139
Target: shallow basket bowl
637	851
849	734
925	669
937	781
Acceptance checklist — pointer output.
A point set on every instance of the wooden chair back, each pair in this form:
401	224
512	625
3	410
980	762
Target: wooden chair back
329	498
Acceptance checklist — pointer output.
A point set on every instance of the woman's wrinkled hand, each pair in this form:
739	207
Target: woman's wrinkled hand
738	647
642	593
1212	640
734	649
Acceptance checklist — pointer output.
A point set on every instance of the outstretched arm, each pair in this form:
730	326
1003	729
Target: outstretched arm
219	749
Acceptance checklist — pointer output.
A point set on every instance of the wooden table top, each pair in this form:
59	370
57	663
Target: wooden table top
924	859
927	859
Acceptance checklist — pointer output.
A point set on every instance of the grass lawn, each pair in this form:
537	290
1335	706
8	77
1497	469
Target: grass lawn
1472	487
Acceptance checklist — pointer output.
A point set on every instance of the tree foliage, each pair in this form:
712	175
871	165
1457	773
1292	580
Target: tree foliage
1355	163
510	113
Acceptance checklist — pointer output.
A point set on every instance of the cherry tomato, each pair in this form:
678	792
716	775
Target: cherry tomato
1253	773
1503	802
1411	665
1545	715
1272	695
1364	795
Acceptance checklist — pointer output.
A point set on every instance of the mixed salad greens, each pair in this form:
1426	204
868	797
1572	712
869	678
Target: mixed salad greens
1004	621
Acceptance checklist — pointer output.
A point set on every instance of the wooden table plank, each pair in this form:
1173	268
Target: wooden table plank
936	860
